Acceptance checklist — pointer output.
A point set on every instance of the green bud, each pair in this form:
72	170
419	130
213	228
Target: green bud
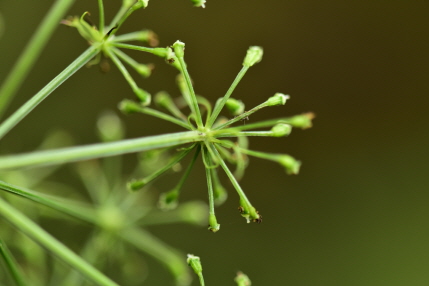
213	225
169	200
242	279
253	56
236	107
277	99
136	185
281	129
302	121
144	70
128	106
220	195
110	127
143	96
163	99
195	263
199	3
179	49
143	3
291	164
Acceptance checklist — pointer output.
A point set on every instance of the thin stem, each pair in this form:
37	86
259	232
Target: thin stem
193	104
122	69
101	15
242	116
231	177
218	107
166	117
168	256
138	184
209	183
162	52
16	117
86	152
12	266
39	235
248	133
68	207
32	52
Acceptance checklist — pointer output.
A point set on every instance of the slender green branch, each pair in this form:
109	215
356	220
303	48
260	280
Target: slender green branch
168	256
213	224
161	52
71	208
221	104
27	226
16	117
101	15
31	52
12	266
72	154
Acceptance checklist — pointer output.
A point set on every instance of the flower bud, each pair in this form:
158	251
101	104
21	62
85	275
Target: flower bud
281	129
291	164
163	99
242	279
128	106
236	107
169	200
110	127
253	56
199	3
143	96
195	263
302	121
179	49
213	225
277	99
144	70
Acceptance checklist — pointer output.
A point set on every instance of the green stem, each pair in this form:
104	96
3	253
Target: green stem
101	15
72	154
18	115
242	116
67	206
32	52
11	265
166	117
49	242
221	104
149	244
192	99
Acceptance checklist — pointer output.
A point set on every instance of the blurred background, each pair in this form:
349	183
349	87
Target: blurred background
357	214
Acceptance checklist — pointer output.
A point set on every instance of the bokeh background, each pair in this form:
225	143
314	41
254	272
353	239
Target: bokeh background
358	213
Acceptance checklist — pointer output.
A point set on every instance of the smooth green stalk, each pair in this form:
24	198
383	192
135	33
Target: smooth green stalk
168	256
71	208
129	106
169	200
163	99
138	184
16	117
219	192
32	52
101	15
143	96
213	224
299	121
193	100
195	263
12	266
242	116
241	194
221	104
161	52
73	154
143	70
39	235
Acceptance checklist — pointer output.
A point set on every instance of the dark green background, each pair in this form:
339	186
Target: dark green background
357	214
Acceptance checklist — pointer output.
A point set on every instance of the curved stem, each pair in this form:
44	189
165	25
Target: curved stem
32	52
18	115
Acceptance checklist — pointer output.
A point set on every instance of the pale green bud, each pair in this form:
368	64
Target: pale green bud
291	164
163	99
253	56
169	200
199	3
110	127
242	279
236	107
277	99
302	121
143	96
144	70
179	49
281	129
195	263
213	225
128	106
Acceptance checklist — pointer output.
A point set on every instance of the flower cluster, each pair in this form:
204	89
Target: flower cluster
209	134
